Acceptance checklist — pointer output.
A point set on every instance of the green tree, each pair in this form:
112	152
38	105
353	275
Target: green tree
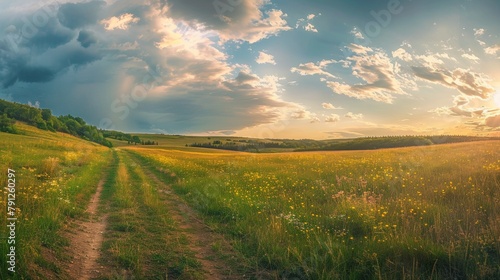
6	124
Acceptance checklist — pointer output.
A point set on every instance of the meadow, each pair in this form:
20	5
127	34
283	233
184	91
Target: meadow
406	213
55	176
426	212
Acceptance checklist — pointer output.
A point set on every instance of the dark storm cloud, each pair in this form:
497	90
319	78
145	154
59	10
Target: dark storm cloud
35	74
86	38
37	47
80	14
81	57
50	36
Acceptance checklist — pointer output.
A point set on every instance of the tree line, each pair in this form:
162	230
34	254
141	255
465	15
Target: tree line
240	145
372	143
43	119
364	143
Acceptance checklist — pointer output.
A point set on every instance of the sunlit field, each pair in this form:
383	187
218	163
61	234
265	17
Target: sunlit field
55	176
409	213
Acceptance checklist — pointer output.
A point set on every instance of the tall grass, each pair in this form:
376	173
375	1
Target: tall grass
48	192
141	239
410	213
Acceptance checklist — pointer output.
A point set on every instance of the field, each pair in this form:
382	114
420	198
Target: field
56	174
177	212
416	213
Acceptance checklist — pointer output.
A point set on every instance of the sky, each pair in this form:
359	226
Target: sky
258	68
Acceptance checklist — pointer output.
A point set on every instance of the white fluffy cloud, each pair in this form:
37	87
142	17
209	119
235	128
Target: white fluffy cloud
402	54
478	32
357	33
465	81
471	57
265	58
493	50
376	70
459	108
353	116
332	118
311	68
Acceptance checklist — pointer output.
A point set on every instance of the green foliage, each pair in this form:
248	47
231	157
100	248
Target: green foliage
366	143
243	145
56	174
43	119
373	143
6	124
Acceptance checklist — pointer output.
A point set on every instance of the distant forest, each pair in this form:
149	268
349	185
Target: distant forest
366	143
372	143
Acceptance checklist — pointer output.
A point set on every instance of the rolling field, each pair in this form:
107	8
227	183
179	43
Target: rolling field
176	212
55	176
409	213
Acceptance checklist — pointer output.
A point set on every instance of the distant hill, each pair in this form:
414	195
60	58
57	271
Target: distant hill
372	143
366	143
10	112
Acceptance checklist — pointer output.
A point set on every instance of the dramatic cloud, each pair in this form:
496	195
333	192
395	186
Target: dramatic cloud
311	68
165	66
330	106
242	21
402	54
122	22
33	74
47	43
466	81
86	38
80	15
265	58
459	108
376	70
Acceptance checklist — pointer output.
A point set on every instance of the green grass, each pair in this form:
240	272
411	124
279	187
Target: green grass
416	213
141	240
408	213
55	176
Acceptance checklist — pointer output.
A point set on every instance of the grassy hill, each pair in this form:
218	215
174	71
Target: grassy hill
55	175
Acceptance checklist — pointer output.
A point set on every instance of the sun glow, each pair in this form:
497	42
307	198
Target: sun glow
496	98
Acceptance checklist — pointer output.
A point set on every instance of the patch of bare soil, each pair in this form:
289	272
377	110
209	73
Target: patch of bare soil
86	239
202	238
